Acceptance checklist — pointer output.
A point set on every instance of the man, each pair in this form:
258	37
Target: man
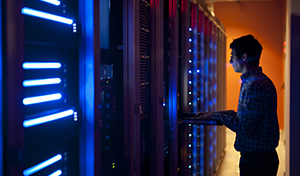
255	122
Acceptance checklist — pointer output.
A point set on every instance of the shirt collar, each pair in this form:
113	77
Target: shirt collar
250	73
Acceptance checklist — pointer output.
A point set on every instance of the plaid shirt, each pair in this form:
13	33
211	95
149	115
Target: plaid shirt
255	122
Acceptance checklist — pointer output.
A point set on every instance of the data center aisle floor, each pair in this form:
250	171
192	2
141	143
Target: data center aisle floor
230	164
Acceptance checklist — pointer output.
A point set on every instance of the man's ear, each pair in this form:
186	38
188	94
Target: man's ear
244	56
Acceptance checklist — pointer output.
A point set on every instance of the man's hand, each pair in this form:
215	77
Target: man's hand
203	115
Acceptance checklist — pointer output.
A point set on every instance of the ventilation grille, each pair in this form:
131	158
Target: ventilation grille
144	57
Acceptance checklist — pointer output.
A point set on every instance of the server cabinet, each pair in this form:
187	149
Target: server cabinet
41	88
192	136
143	86
199	145
171	53
112	158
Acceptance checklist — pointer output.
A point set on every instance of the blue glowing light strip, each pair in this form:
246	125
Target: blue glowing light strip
45	15
41	82
41	99
53	2
41	65
42	165
56	173
201	150
48	118
1	89
194	150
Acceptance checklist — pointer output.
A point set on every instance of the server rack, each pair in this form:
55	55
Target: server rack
171	54
112	159
201	146
41	88
143	60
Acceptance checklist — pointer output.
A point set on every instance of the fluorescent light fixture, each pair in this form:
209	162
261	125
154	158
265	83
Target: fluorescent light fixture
53	2
48	118
42	165
45	15
41	99
56	173
41	65
41	82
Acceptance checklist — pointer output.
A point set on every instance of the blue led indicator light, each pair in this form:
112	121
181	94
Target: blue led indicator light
190	61
74	27
48	118
41	99
198	71
190	40
190	71
53	2
190	50
190	82
75	116
42	165
45	15
41	65
56	173
190	29
41	82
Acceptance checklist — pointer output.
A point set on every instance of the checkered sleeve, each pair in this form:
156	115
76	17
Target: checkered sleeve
219	115
251	108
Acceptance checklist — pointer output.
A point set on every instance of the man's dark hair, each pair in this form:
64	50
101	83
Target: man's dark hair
249	45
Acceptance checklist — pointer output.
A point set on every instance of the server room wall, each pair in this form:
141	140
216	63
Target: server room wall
103	95
266	21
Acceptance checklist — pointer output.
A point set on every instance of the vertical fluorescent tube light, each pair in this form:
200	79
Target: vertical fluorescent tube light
53	2
56	173
41	82
41	99
42	165
48	118
41	65
45	15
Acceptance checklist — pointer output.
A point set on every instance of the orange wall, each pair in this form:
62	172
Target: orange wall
266	21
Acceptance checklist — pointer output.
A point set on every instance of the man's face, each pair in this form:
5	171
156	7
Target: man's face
236	62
